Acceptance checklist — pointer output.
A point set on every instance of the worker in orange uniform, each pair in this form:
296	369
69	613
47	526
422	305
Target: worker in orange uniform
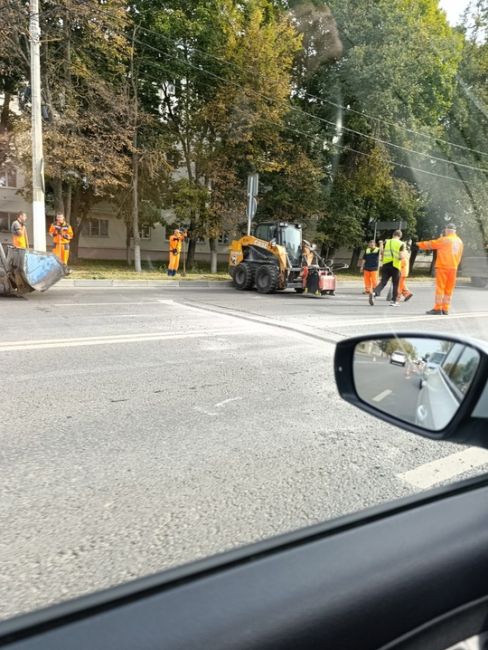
449	249
175	245
61	233
19	231
370	265
403	290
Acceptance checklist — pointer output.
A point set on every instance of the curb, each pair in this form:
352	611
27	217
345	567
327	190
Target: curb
136	284
185	284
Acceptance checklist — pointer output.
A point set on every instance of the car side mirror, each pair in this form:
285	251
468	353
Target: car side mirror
431	384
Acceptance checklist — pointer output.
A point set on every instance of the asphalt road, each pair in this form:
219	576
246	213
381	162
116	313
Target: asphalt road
144	428
389	387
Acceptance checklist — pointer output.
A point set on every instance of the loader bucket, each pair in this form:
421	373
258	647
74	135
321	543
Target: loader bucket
33	271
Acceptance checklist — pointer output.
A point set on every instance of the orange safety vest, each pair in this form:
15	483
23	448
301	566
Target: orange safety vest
175	243
61	234
449	250
19	235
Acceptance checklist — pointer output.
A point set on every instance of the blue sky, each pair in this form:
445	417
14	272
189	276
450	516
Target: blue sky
454	9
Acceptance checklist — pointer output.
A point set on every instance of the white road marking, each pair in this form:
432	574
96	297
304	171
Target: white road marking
107	304
115	339
381	396
437	471
204	411
227	401
403	319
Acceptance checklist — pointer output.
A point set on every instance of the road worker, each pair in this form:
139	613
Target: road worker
393	253
403	290
449	249
369	266
175	245
19	231
61	233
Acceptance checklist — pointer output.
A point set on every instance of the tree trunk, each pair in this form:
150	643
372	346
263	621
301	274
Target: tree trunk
190	259
213	254
135	210
5	114
127	244
432	266
79	216
57	184
413	257
136	237
67	202
355	258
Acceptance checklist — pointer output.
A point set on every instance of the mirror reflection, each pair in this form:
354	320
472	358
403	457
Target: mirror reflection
418	380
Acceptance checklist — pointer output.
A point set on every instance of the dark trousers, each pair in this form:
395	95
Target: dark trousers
389	271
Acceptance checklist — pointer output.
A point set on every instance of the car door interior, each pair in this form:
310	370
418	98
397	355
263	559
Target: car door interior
409	575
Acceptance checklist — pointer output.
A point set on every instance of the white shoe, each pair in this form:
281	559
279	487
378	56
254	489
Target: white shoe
394	304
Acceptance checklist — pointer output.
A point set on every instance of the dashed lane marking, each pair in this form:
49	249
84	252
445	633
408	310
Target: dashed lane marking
227	401
381	396
443	469
15	346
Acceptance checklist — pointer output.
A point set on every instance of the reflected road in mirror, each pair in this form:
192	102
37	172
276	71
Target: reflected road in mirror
417	380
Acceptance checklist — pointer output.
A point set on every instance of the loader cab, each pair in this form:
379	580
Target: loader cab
284	234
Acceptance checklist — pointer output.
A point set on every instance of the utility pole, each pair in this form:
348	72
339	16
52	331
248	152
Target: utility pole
252	193
38	207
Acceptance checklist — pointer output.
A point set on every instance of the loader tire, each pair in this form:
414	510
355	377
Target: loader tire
243	276
267	278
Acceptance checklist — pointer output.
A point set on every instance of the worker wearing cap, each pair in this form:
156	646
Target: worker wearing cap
370	264
61	233
175	245
19	231
449	249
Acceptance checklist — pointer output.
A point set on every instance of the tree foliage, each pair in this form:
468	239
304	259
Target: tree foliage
351	112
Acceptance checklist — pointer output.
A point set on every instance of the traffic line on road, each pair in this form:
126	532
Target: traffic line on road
443	469
405	319
381	396
227	401
108	304
15	346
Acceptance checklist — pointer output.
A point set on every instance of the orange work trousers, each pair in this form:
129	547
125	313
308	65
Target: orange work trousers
445	281
62	252
174	262
370	280
402	287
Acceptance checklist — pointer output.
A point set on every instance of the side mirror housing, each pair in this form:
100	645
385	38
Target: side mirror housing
444	399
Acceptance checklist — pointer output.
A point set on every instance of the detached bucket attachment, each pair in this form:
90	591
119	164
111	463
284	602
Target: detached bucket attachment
25	271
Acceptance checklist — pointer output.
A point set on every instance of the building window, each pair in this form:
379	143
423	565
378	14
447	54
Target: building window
145	231
8	177
223	238
6	219
96	228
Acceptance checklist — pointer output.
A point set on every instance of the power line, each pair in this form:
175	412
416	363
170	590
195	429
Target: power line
301	111
348	109
310	136
395	124
208	72
319	99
